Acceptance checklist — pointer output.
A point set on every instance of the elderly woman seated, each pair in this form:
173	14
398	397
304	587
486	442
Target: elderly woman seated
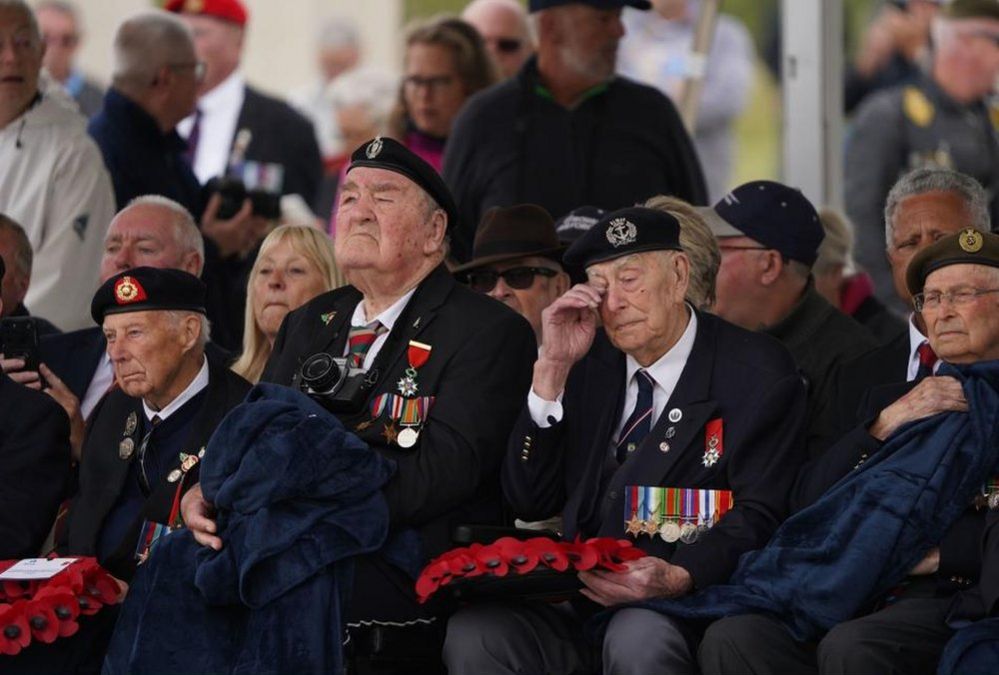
295	264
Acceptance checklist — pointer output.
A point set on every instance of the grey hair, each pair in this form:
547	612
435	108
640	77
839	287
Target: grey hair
512	5
369	88
22	247
23	8
177	315
337	32
185	230
146	42
937	179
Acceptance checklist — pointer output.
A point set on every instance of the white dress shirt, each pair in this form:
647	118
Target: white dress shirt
915	339
99	385
199	382
665	372
387	319
219	110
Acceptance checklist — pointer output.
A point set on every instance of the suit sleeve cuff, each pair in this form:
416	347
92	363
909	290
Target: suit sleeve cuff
544	413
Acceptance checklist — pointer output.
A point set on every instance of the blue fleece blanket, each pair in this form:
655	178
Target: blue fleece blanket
825	563
297	496
973	650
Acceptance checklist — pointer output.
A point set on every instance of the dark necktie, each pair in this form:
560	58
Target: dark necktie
927	359
360	339
192	139
640	421
143	449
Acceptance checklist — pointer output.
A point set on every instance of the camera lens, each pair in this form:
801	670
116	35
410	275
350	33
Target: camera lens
320	372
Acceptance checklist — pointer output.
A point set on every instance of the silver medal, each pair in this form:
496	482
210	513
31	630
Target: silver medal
408	437
126	448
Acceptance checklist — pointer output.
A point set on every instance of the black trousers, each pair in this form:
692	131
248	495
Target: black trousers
906	638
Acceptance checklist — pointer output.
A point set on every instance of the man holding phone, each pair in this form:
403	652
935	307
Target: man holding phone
34	465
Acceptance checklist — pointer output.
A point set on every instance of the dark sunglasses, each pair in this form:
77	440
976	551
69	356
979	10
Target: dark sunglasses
518	278
508	45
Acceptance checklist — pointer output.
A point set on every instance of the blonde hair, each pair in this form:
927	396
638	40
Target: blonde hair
836	249
316	247
698	243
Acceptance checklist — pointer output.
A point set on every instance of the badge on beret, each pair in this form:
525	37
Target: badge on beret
971	241
127	290
194	6
374	148
621	232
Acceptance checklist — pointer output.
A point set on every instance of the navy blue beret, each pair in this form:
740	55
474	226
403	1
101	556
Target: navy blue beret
147	288
391	155
619	233
777	216
538	5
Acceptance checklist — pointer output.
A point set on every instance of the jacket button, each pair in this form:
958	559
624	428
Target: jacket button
612	495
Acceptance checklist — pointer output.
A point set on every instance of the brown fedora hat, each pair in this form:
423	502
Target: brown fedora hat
514	232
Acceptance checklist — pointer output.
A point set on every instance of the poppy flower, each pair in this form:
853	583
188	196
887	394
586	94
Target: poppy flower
549	552
15	634
492	561
583	556
42	620
431	578
517	555
64	606
12	589
612	553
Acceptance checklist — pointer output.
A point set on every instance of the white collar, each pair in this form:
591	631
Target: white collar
667	368
226	94
199	382
388	317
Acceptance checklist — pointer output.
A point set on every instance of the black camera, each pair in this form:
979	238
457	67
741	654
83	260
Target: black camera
337	386
233	192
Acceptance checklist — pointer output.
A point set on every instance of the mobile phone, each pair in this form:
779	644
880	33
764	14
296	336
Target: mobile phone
19	340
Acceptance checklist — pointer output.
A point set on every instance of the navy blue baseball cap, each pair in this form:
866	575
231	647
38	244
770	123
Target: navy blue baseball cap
619	233
538	5
777	216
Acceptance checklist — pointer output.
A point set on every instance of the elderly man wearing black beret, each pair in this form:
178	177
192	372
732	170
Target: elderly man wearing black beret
666	425
147	436
446	368
955	287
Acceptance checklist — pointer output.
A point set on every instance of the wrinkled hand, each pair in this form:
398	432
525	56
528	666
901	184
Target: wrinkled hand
931	396
58	390
568	327
14	369
197	515
878	43
235	236
928	565
646	578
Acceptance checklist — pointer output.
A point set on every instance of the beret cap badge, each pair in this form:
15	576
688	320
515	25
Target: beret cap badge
374	148
194	6
971	241
621	232
128	290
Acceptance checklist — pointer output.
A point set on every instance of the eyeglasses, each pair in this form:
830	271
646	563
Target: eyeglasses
66	40
958	298
506	45
517	278
432	83
198	66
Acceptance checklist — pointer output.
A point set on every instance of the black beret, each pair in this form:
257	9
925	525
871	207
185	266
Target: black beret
967	247
623	232
538	5
148	288
391	155
777	216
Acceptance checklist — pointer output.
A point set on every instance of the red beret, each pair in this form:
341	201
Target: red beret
227	10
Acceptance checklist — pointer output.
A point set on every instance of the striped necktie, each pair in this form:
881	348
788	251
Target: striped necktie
639	423
927	359
360	339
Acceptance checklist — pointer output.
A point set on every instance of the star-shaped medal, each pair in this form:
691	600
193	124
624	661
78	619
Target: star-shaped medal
390	432
633	526
651	527
710	457
407	386
364	425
